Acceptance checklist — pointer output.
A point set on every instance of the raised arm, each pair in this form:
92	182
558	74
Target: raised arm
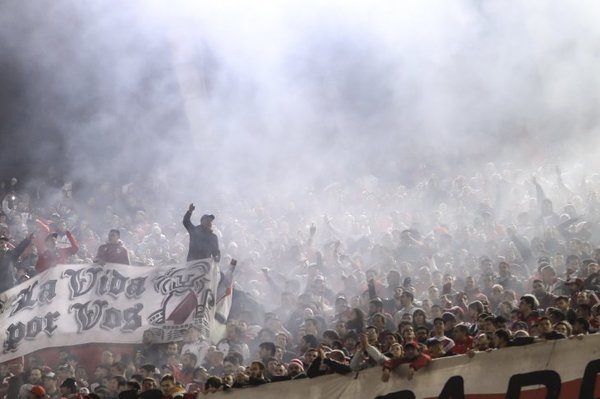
187	223
43	227
372	289
72	250
561	184
539	193
21	247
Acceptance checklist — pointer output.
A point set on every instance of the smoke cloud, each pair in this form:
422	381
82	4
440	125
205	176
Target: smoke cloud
222	102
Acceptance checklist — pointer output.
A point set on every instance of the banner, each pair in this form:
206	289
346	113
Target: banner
77	304
564	368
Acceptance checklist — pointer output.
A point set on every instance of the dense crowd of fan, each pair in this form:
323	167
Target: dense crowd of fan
342	278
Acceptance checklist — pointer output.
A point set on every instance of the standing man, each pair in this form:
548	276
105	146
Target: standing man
203	242
113	251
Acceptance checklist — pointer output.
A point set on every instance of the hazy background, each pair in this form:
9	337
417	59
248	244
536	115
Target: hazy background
242	98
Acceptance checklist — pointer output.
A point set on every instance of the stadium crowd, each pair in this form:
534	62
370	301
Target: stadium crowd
342	278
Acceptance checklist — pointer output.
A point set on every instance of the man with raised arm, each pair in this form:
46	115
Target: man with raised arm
203	242
53	255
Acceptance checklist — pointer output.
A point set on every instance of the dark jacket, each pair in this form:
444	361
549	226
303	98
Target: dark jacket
203	243
592	282
253	381
14	384
314	370
521	341
7	261
288	378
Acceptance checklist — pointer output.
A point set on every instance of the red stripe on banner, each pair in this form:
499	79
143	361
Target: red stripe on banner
184	309
227	293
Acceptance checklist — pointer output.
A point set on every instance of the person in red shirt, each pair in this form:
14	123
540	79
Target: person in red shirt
528	310
113	251
412	355
53	256
397	352
185	375
463	342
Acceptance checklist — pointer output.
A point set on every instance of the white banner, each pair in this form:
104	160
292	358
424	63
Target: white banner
77	304
494	375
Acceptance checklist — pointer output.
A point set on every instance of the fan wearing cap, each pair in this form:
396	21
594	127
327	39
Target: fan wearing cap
293	371
203	242
296	369
8	257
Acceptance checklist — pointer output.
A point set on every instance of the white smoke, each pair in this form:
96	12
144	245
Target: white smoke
230	98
